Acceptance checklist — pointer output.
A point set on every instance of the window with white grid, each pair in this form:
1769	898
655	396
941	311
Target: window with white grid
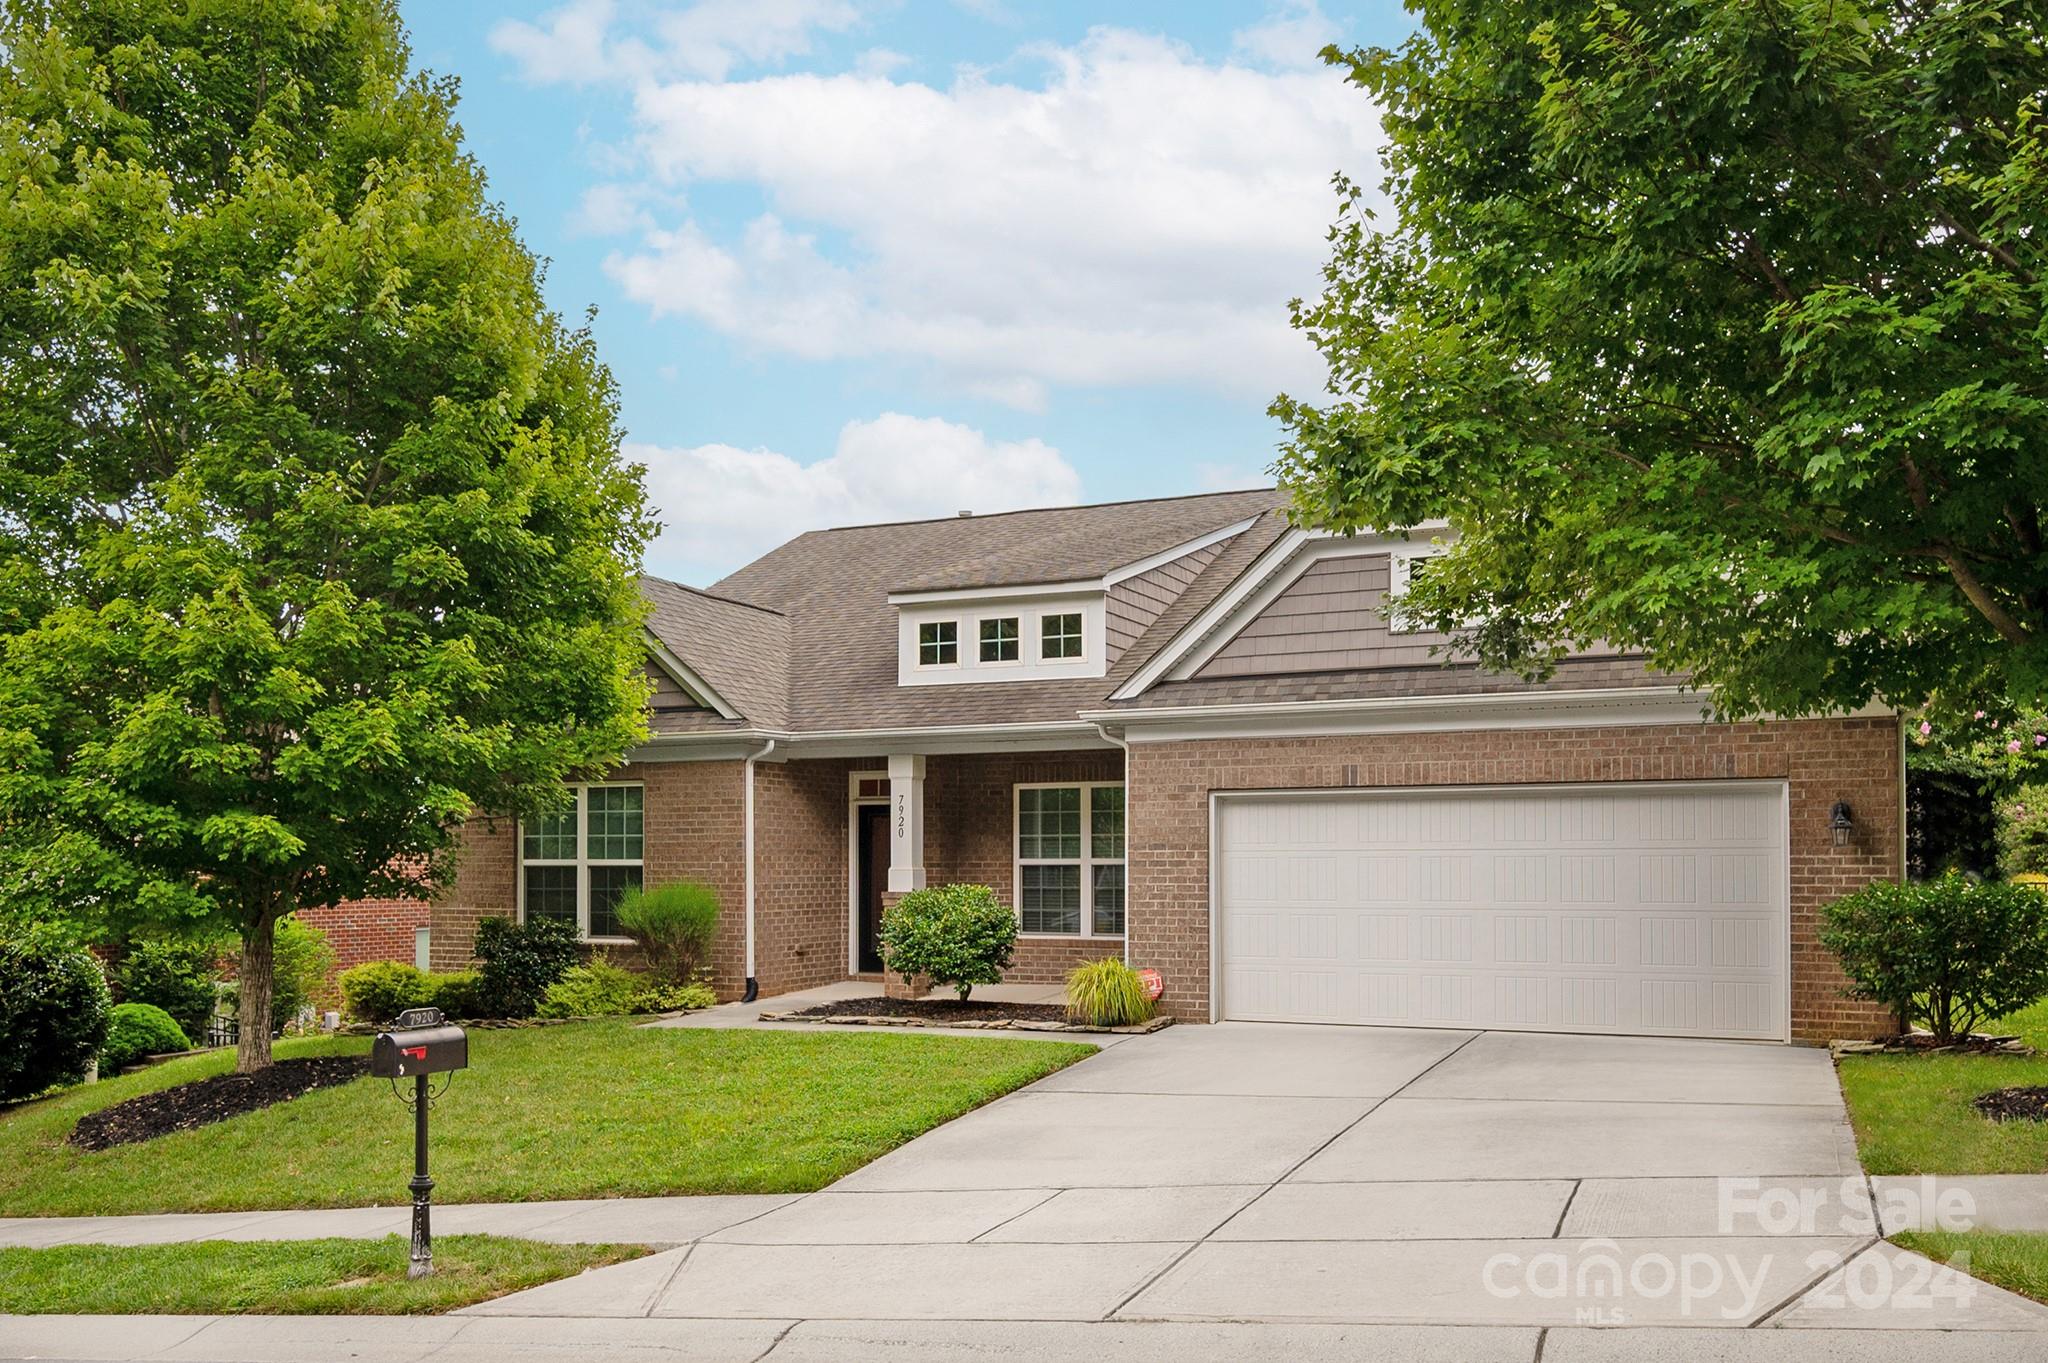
1070	859
577	862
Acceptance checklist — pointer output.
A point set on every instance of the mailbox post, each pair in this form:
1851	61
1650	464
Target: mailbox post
422	1044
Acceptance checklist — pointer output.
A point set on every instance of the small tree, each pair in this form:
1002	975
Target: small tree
1949	953
674	926
314	531
960	935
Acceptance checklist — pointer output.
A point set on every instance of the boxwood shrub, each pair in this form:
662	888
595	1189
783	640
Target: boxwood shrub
53	1013
958	935
135	1030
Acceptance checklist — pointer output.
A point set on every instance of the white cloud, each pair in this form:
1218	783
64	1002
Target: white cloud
706	40
1230	478
1141	218
723	506
1290	36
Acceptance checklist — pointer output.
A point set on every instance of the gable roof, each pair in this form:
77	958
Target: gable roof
804	638
740	651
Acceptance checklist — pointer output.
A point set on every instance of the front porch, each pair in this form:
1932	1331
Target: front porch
840	839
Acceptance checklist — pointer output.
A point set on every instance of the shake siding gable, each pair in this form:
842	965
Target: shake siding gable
1133	604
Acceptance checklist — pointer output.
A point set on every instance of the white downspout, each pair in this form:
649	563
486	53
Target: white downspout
1111	738
753	990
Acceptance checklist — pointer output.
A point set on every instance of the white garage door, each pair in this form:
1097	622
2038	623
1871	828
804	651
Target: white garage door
1648	909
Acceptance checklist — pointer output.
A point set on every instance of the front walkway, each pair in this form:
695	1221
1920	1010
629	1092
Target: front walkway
1243	1191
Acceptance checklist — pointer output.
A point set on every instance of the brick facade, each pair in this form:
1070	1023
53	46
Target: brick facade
1822	761
369	929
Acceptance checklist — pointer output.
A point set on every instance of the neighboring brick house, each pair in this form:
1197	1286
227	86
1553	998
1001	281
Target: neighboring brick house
371	929
1183	732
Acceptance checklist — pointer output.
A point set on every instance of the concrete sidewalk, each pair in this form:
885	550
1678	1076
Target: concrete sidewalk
584	1221
471	1339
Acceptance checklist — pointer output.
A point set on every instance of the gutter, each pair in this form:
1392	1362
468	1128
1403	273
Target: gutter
753	990
1109	737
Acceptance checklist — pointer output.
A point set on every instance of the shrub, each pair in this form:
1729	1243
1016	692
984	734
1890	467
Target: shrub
599	989
960	935
673	924
2023	832
673	998
181	977
53	1013
519	962
378	991
135	1030
1106	993
301	965
1949	953
456	994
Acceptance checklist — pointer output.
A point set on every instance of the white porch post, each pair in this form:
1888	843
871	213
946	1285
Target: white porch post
906	824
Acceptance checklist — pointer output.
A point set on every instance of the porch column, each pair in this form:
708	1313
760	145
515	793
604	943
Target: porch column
906	824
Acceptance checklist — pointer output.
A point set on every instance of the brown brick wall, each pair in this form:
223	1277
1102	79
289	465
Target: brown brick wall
1821	760
969	835
692	825
369	929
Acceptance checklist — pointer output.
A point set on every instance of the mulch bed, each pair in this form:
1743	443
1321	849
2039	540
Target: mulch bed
973	1014
206	1101
2014	1104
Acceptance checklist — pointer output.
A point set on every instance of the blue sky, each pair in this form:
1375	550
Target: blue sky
858	260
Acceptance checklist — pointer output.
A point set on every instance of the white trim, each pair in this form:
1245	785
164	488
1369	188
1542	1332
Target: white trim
687	677
1030	664
747	838
1588	708
1270	574
1166	556
854	800
1192	633
1782	785
968	595
1086	862
730	745
581	862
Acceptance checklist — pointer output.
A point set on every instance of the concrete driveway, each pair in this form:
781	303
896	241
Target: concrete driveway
1246	1172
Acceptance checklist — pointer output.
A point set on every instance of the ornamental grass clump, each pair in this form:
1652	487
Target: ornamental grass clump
674	926
958	935
1107	993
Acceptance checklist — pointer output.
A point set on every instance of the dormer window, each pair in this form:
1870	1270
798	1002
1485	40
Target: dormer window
999	640
1059	636
938	643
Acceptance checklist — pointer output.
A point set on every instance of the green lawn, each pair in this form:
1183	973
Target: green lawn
599	1109
2018	1263
1913	1116
283	1277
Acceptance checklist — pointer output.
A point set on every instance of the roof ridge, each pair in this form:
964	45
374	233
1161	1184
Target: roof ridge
1034	511
712	596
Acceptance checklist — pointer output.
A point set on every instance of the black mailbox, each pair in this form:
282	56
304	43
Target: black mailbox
421	1044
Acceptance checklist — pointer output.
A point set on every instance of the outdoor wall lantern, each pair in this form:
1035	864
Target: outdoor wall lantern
1841	819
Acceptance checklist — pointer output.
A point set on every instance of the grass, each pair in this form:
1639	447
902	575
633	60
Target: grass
283	1277
1912	1113
2016	1262
598	1109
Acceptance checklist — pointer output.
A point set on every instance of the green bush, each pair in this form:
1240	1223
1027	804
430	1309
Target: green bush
674	925
181	977
2023	832
673	998
53	1013
300	967
599	989
1106	993
456	994
518	961
135	1030
378	991
1948	953
958	935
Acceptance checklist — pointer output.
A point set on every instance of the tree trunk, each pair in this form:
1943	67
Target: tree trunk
252	988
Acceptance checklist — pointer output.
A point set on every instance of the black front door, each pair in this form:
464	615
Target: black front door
872	838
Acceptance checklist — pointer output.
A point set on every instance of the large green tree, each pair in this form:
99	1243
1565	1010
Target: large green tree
1713	328
314	531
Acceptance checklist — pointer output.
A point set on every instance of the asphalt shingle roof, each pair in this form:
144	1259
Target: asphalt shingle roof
804	638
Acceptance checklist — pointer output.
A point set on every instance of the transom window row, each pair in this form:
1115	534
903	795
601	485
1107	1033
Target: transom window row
1000	639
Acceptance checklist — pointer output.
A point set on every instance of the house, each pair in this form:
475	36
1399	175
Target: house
1184	732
